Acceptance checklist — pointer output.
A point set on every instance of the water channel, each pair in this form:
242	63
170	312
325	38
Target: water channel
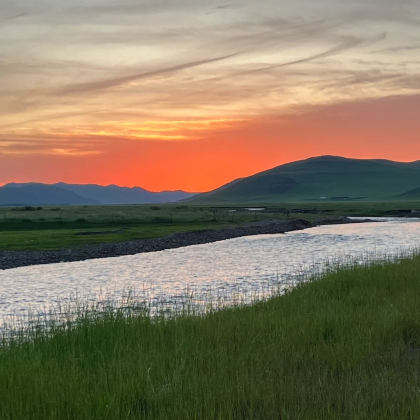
235	270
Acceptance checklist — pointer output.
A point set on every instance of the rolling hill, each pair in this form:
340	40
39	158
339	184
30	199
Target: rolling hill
74	194
37	194
324	177
411	195
113	194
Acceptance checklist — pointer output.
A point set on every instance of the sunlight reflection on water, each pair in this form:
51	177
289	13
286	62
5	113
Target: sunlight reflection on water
247	266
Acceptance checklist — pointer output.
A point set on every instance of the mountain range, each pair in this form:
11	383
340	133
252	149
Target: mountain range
322	178
74	194
318	178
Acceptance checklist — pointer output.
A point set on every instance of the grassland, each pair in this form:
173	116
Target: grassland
50	228
54	228
344	347
323	176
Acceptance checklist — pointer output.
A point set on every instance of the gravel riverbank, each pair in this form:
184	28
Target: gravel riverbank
14	259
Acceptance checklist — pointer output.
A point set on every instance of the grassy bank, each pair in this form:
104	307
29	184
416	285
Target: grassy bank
49	228
344	347
54	228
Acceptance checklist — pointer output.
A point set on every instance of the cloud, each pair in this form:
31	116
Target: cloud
44	144
112	83
343	46
5	17
222	7
401	48
73	65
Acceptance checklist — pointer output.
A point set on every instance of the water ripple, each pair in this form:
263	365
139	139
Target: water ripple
236	267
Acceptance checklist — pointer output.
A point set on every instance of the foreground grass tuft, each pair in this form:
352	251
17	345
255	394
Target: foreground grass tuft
344	347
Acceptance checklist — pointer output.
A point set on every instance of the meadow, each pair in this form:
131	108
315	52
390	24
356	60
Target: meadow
344	346
48	228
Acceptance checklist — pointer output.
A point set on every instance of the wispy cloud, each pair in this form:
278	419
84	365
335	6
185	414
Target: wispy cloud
71	66
343	46
402	48
222	7
111	83
4	17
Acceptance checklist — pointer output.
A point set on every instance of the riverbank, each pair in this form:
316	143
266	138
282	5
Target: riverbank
14	259
345	346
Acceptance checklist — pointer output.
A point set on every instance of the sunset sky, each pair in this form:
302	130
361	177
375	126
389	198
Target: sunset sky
184	94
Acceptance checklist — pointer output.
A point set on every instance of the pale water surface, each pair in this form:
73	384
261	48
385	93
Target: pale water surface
241	268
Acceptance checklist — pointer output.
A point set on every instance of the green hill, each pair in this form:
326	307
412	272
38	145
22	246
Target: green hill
411	195
324	177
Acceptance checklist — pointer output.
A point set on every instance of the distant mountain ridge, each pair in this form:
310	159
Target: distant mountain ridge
317	178
89	194
322	177
113	194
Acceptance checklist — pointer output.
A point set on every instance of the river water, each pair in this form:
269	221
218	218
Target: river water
236	270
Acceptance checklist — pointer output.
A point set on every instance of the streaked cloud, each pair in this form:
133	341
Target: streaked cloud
125	80
76	76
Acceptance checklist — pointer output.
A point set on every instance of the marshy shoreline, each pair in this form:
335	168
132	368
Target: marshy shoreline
343	346
15	259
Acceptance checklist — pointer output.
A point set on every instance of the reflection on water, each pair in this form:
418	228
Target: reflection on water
226	270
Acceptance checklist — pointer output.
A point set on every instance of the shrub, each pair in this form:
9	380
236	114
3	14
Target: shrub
26	208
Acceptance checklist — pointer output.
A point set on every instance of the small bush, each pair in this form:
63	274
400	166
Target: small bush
81	220
155	208
26	220
55	209
26	208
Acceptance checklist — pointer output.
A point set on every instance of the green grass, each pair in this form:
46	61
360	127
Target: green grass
65	236
324	176
344	347
349	208
54	227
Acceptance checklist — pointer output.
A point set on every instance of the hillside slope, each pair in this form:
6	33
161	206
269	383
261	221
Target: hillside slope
62	193
113	194
411	195
325	176
37	194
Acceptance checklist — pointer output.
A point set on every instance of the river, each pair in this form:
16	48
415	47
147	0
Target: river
236	270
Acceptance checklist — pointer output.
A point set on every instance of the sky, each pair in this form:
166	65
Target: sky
184	94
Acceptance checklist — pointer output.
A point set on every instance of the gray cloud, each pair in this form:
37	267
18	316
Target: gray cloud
5	17
222	7
400	48
343	46
56	55
111	83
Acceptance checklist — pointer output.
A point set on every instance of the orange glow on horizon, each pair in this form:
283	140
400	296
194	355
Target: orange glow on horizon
199	94
222	150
